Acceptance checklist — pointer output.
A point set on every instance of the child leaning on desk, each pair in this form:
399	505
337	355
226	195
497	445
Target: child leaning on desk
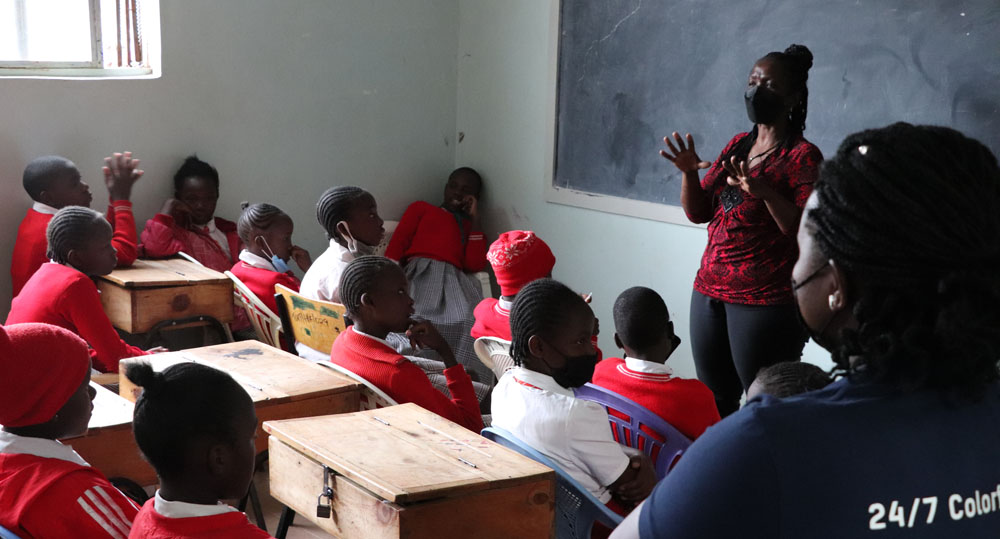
62	293
197	427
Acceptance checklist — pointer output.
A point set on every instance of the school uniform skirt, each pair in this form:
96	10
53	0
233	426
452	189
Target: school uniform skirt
446	296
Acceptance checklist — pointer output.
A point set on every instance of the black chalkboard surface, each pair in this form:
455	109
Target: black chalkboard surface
632	71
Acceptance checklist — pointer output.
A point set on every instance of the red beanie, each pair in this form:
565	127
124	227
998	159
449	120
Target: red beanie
42	366
519	257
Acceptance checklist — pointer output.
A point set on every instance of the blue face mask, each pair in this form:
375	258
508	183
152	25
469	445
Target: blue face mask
279	265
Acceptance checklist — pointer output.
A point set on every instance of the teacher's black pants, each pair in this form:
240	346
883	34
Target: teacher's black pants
731	342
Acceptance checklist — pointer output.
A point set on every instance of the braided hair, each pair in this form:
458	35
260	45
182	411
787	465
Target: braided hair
334	205
795	62
256	216
359	278
539	309
195	168
40	172
70	229
909	212
184	404
641	317
790	378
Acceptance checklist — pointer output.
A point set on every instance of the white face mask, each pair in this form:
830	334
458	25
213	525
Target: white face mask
355	247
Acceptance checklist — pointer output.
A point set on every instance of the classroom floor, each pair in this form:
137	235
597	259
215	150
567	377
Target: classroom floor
301	528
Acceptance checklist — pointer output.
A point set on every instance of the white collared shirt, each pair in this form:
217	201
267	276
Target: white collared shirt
574	433
12	444
218	235
647	367
44	208
255	261
322	281
503	307
169	509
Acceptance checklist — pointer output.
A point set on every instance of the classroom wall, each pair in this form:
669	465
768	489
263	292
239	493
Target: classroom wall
284	98
503	95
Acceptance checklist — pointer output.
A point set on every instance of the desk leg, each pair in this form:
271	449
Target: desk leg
287	516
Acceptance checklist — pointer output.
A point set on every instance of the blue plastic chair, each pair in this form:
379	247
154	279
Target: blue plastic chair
664	446
576	508
7	534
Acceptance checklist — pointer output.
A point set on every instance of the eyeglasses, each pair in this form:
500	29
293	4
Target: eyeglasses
796	286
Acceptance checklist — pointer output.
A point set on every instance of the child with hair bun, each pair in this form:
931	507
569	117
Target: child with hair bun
46	488
266	232
197	427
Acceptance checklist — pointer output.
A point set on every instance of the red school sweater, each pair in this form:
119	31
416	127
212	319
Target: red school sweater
49	497
232	525
31	243
64	297
427	231
163	237
686	404
492	320
405	382
261	282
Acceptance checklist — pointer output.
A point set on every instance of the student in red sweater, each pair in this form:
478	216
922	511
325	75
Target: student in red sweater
188	223
196	426
46	488
54	182
374	290
437	246
266	231
518	257
644	330
61	292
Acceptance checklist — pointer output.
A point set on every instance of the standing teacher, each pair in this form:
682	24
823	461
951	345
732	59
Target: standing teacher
743	316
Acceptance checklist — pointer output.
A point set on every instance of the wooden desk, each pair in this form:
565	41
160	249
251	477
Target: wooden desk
405	472
151	291
282	385
109	445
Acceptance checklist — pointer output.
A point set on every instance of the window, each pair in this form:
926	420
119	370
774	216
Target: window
88	38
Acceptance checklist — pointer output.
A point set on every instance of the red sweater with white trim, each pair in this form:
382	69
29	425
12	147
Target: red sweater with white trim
64	297
163	237
427	231
492	320
232	525
49	497
31	243
405	382
688	405
261	282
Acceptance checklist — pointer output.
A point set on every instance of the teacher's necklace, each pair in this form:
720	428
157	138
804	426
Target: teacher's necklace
763	153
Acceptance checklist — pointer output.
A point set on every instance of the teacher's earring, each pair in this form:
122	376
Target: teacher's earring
835	301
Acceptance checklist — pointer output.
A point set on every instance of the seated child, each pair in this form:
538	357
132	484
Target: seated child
62	293
518	257
46	488
644	330
551	327
437	245
197	427
187	222
54	182
375	292
349	215
787	379
266	232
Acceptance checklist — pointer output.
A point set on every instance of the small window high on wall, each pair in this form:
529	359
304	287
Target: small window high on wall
79	38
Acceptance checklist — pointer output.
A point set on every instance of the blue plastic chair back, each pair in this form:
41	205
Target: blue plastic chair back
7	534
642	429
576	508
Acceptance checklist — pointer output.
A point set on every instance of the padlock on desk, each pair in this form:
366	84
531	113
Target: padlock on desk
323	510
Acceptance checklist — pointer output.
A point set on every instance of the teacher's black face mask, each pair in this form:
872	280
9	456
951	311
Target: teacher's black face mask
763	105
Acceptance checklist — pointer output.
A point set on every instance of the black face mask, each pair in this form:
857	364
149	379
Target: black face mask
763	105
577	370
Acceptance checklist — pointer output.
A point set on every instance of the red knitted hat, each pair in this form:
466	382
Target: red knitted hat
42	366
519	257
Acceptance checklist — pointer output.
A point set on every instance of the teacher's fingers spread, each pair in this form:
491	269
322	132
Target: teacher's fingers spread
670	145
680	142
666	155
732	181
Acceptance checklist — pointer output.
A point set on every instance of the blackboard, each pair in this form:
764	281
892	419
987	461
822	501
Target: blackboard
629	72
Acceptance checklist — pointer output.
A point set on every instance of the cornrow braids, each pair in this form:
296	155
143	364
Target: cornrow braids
641	317
538	309
334	205
183	404
195	168
358	279
71	228
909	212
256	216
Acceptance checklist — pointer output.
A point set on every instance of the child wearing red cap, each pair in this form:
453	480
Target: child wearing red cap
46	488
62	293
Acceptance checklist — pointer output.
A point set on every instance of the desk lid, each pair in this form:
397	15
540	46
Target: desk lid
110	409
265	372
406	454
168	272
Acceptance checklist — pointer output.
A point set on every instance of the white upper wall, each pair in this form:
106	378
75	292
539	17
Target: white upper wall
284	98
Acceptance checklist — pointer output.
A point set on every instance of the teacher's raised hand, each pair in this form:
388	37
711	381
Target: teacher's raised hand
684	157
